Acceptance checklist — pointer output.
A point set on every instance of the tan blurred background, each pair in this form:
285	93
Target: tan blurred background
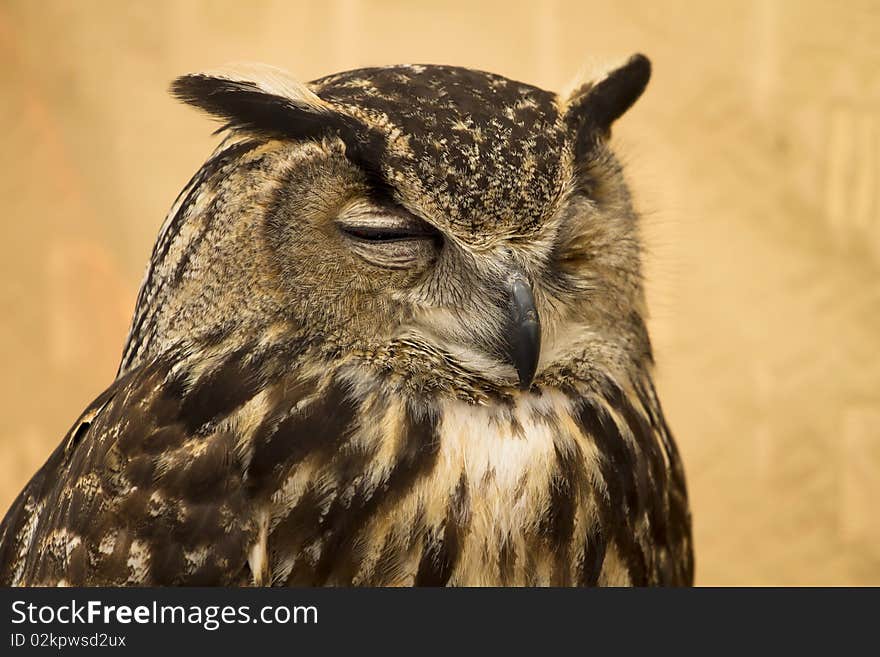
755	155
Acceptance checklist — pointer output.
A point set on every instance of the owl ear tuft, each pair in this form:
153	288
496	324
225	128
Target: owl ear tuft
257	97
594	106
267	100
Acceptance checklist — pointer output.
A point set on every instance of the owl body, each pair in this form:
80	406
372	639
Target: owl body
392	333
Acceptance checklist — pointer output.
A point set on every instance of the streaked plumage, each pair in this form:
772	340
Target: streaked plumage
330	377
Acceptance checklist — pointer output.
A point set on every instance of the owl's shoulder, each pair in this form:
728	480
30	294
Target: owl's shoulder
147	487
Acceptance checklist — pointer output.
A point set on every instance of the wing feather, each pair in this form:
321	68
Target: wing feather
147	488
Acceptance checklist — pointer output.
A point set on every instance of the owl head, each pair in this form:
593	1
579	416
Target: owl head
450	229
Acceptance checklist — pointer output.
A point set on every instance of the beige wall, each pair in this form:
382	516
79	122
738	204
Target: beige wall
755	156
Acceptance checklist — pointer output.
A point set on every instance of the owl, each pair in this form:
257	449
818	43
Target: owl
392	333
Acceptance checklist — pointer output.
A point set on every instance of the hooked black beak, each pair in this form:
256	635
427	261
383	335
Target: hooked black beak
524	331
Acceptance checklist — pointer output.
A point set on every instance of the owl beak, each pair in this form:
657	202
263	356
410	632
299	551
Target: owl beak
524	331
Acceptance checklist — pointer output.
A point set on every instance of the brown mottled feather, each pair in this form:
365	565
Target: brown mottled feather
158	489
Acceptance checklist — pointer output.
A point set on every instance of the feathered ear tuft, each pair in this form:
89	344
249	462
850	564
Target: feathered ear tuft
257	97
267	100
594	106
